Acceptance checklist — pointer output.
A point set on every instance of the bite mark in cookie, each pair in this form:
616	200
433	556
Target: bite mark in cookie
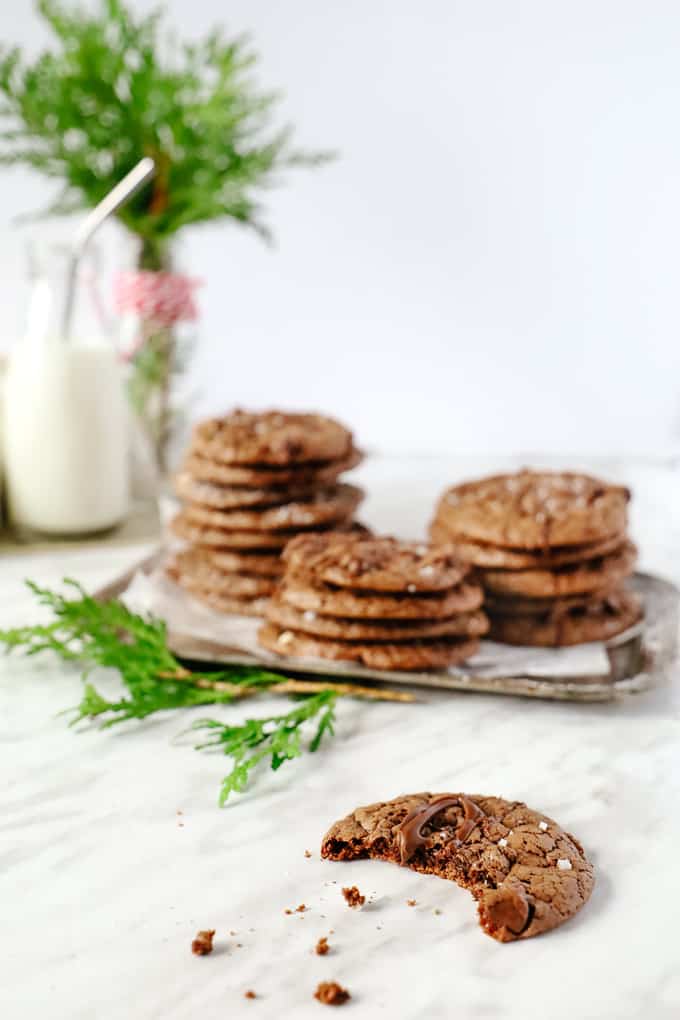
527	874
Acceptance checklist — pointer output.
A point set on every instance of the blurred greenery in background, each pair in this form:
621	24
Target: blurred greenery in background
118	86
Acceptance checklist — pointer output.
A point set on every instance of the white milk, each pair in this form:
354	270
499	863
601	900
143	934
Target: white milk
65	437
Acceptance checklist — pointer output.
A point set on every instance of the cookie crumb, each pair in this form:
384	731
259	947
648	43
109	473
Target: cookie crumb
564	864
301	909
543	826
288	911
411	903
353	897
331	993
308	853
437	910
322	946
250	994
203	943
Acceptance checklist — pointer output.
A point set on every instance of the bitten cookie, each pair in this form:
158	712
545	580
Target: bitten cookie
527	874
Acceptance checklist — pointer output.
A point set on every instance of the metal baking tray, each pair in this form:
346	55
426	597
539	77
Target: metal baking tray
638	658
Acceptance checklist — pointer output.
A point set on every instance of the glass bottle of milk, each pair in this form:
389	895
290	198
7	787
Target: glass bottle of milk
65	412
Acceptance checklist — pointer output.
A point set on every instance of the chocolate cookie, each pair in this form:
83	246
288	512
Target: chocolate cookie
377	564
573	579
481	554
325	507
527	874
535	510
220	538
302	593
312	475
231	605
222	497
473	624
261	563
413	655
251	541
271	437
516	605
573	626
194	570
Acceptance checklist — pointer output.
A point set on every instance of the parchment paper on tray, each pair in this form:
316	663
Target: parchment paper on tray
584	672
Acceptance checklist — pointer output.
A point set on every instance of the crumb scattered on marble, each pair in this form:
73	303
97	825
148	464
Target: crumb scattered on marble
203	943
331	993
287	911
250	994
411	903
301	909
322	946
353	897
308	853
437	910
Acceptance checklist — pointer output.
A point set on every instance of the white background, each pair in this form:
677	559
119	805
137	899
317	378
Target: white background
490	265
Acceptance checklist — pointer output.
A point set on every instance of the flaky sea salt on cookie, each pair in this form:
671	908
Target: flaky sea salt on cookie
526	873
535	510
271	437
374	563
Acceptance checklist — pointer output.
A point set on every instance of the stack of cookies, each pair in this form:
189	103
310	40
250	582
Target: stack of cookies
249	483
386	604
551	551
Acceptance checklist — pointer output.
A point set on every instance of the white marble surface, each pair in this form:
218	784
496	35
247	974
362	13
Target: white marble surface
103	884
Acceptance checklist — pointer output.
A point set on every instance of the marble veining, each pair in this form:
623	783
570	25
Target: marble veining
103	883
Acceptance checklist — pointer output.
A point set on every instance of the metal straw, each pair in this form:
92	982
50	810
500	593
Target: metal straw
117	197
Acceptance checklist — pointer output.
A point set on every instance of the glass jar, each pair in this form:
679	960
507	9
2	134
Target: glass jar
65	413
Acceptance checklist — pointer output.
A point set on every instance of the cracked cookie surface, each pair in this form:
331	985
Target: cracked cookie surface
526	873
534	510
